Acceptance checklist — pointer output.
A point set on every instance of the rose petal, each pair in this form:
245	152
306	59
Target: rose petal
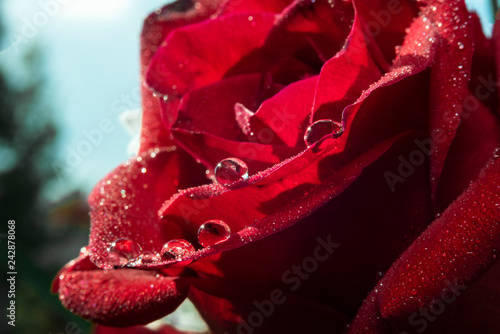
458	246
259	266
288	70
210	109
395	102
161	22
253	6
477	137
210	150
325	24
449	76
483	74
383	24
156	27
300	173
287	113
255	202
125	203
287	316
242	115
196	55
120	298
82	262
344	77
475	310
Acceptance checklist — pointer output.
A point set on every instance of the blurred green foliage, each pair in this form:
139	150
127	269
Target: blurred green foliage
27	136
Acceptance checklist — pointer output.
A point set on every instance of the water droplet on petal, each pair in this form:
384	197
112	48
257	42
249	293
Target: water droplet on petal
496	153
321	128
213	232
123	251
231	170
176	248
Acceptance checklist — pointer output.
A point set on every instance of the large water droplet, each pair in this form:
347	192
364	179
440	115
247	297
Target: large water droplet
496	153
321	128
176	249
213	232
231	170
123	251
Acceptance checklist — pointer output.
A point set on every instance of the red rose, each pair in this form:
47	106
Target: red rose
370	132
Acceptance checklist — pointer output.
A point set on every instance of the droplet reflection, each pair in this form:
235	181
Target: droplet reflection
231	170
320	129
176	249
213	232
123	251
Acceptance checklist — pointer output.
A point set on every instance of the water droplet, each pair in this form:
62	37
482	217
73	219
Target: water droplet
461	45
496	153
176	248
321	128
231	170
123	251
213	232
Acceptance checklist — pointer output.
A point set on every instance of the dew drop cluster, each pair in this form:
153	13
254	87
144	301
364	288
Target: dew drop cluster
124	252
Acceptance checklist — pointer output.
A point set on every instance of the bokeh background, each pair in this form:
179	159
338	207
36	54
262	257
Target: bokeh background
69	106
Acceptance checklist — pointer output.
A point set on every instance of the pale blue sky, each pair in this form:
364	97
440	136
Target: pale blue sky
92	54
91	48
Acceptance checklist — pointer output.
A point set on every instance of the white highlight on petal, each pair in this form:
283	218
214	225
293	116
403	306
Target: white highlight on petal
131	121
185	318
